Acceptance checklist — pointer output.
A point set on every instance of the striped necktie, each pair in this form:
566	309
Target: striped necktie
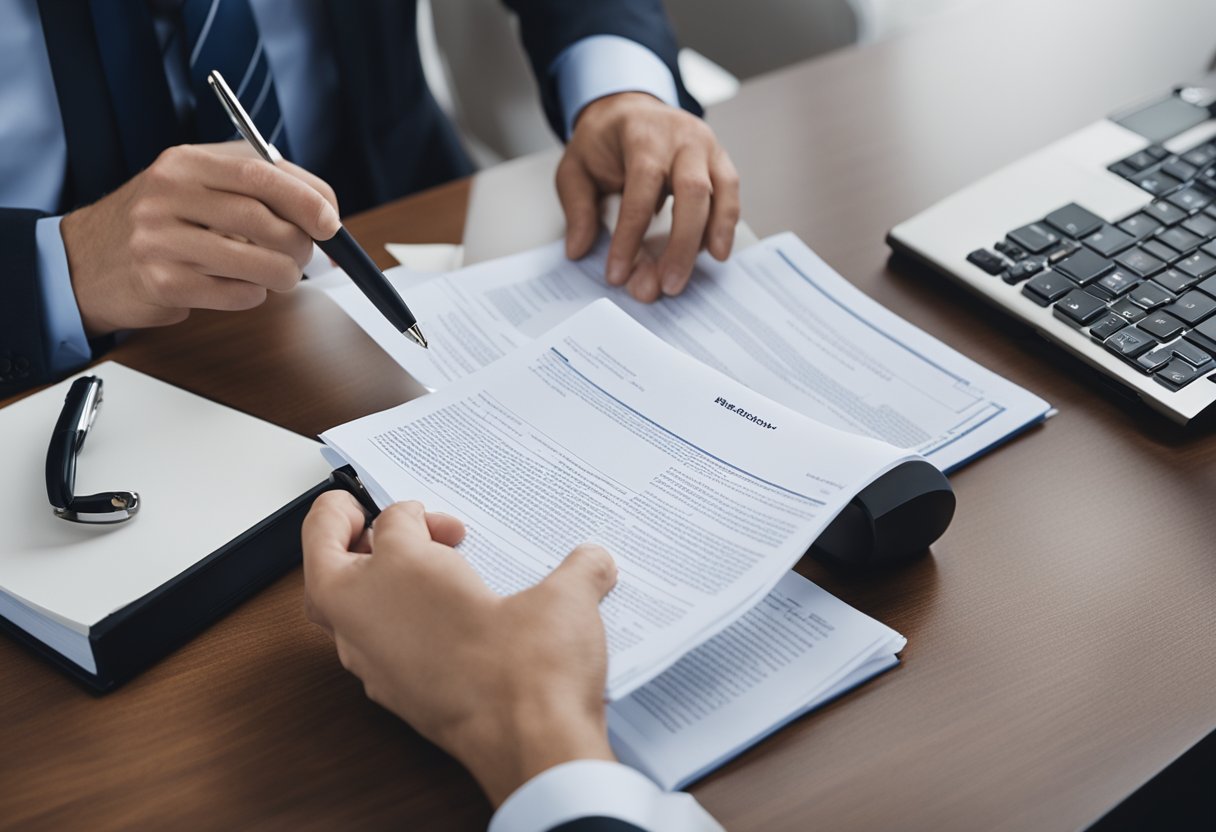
223	35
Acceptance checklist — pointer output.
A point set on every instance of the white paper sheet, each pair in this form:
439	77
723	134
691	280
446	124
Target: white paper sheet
796	649
705	492
427	258
775	317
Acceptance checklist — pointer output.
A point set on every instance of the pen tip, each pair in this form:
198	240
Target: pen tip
417	337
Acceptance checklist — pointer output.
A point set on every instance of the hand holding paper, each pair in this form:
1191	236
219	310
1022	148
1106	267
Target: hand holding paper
509	686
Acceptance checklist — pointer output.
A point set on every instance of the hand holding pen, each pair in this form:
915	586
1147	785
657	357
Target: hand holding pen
347	253
203	227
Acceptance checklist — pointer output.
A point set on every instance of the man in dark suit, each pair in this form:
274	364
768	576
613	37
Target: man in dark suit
512	687
125	209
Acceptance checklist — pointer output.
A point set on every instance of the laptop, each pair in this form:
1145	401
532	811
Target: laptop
1104	242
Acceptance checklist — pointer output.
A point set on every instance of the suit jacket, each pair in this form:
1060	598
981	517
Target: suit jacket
394	140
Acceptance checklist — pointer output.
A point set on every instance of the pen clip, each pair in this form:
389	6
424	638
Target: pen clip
240	119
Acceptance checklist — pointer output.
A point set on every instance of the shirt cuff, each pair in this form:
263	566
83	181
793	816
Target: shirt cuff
598	789
67	347
603	65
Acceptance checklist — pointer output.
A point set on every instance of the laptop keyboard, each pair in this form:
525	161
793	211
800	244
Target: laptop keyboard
1144	287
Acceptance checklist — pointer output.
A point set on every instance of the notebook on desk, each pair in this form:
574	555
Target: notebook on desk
222	506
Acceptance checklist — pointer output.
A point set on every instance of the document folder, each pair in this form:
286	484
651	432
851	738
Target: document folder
148	629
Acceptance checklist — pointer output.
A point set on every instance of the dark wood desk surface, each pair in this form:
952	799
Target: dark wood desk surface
1059	638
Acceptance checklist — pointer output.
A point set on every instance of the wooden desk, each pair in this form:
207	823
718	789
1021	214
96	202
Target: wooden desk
1060	636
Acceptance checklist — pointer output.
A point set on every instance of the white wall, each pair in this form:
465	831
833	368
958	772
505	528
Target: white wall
880	18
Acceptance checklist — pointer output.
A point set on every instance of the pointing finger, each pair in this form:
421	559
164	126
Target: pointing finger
692	188
724	215
644	181
580	202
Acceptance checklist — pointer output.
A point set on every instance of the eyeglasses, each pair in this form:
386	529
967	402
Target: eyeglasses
75	421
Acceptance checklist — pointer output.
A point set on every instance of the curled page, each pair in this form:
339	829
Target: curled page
704	491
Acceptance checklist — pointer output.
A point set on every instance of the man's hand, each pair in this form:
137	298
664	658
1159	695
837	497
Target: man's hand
203	227
634	144
509	686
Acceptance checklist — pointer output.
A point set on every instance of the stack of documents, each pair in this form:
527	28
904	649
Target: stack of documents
774	317
705	492
791	653
706	440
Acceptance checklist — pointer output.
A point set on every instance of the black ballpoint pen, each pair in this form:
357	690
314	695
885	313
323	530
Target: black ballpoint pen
347	253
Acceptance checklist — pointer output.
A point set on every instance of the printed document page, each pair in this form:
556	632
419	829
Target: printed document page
704	491
775	317
793	651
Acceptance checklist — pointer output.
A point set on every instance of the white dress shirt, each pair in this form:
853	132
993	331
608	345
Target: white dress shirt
598	788
33	149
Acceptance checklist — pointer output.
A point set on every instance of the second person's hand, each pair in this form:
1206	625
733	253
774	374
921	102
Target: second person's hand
633	144
203	227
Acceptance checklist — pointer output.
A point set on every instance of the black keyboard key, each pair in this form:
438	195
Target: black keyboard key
1154	360
1179	169
1065	249
1201	156
1177	374
1085	266
1035	238
1202	336
1157	183
1148	295
1109	241
1021	270
1074	221
1161	325
1127	310
1140	262
1190	199
986	260
1192	307
1201	224
1179	239
1174	280
1160	250
1140	226
1012	251
1165	213
1156	151
1209	248
1079	307
1140	161
1114	283
1192	354
1048	287
1198	265
1130	342
1106	326
1208	287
